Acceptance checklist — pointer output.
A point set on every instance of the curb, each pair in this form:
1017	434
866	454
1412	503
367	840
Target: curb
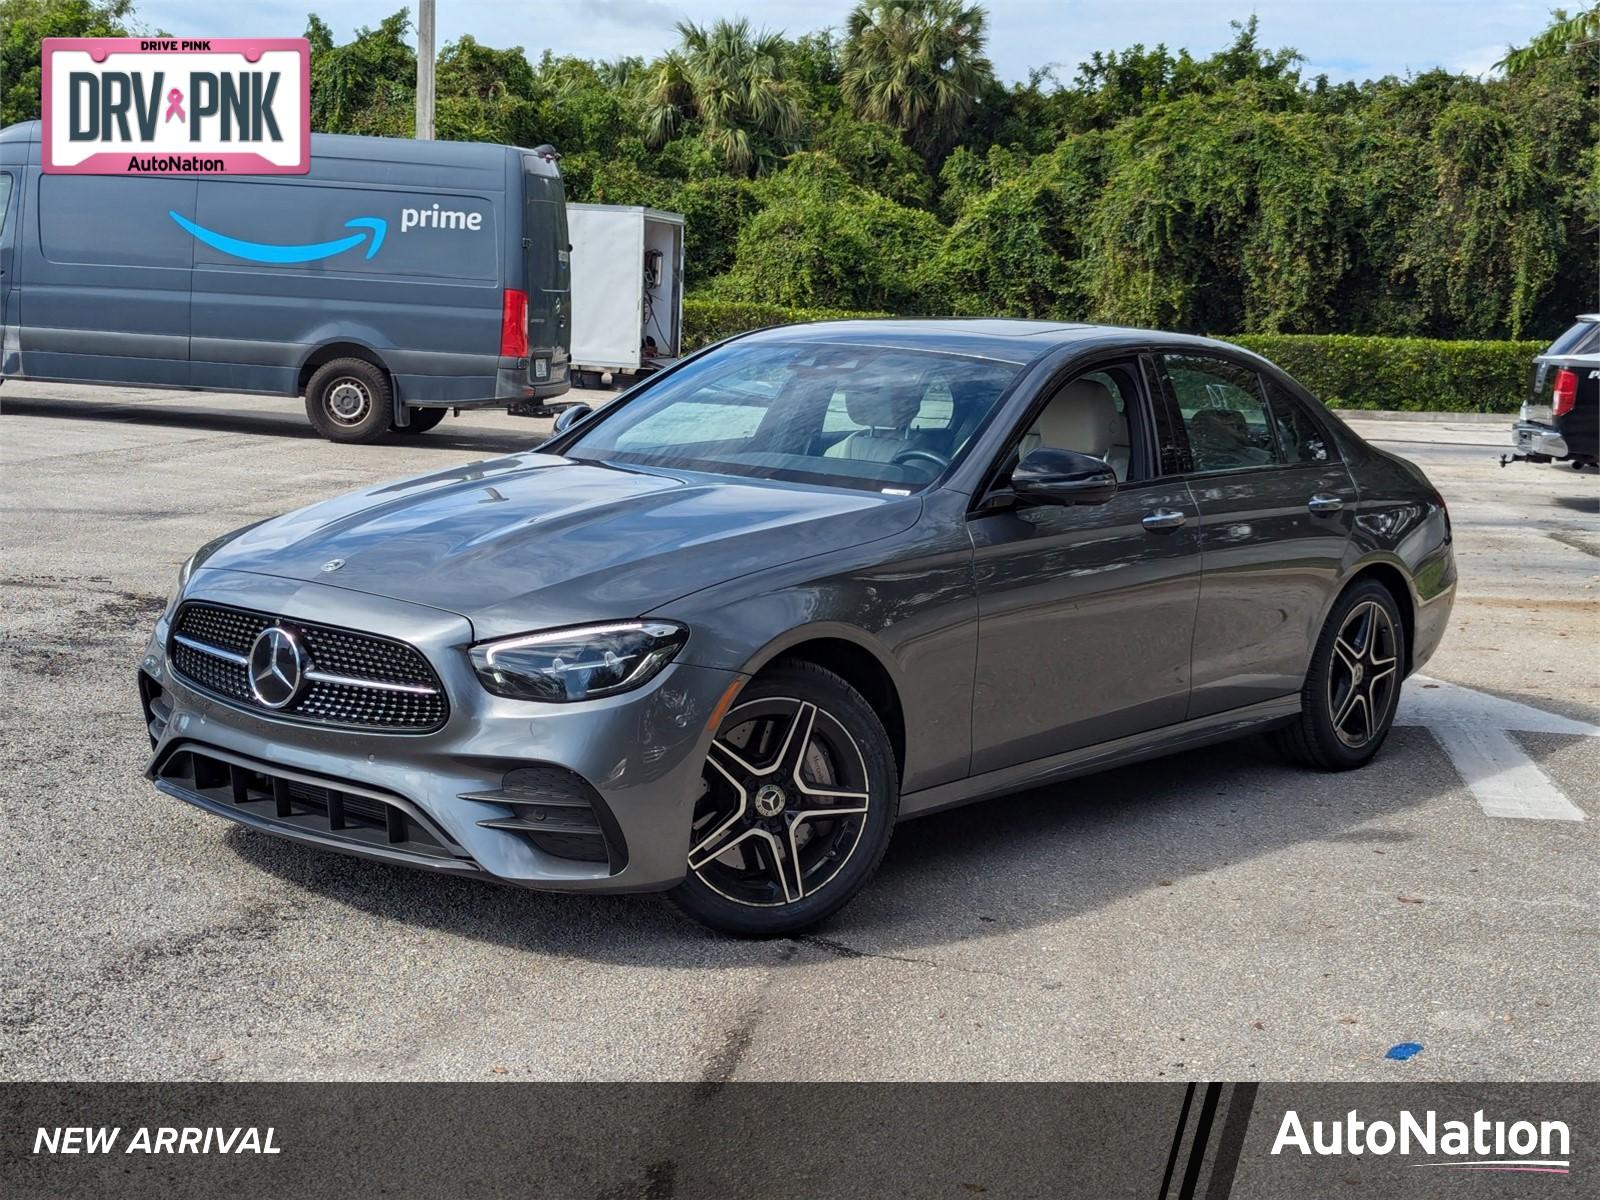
1391	414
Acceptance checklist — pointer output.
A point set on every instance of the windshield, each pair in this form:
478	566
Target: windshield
850	416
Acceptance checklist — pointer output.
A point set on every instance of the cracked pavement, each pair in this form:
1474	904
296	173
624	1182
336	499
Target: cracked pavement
1215	915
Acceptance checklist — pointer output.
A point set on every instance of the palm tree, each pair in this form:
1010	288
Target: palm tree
1564	34
916	65
732	82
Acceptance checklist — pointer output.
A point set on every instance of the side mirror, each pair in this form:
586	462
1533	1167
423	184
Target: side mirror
1051	476
570	416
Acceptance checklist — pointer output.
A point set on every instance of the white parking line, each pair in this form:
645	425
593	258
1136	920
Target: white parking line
1473	727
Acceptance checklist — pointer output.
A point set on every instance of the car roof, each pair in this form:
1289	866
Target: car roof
1006	339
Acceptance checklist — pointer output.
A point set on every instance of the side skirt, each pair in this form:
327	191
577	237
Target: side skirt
1086	760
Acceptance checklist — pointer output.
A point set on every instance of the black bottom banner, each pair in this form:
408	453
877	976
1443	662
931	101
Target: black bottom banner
672	1141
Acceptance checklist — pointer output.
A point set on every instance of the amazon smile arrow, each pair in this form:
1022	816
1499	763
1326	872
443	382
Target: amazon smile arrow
267	252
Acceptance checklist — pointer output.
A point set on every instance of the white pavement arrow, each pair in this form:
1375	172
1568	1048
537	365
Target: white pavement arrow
1473	727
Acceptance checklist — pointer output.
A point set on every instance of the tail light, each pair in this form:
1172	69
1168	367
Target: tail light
514	324
1566	392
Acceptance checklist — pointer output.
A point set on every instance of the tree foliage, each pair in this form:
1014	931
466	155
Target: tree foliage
369	84
24	23
1565	34
883	167
730	82
915	65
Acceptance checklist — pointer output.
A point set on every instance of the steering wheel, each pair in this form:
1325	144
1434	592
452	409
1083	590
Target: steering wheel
939	461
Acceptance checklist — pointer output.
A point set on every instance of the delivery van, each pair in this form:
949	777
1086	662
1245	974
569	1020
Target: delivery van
395	281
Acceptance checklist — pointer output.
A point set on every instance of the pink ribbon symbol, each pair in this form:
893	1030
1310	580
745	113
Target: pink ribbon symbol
175	105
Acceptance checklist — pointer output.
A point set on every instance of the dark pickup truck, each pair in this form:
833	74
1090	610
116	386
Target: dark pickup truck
1560	419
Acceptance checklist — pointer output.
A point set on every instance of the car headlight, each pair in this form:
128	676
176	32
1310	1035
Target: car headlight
585	663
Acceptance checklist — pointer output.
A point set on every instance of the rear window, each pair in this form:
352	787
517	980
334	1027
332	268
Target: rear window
1580	339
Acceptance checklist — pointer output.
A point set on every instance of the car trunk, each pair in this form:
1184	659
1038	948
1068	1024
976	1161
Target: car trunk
1582	338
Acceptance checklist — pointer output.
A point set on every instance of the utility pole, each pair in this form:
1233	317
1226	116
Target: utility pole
425	70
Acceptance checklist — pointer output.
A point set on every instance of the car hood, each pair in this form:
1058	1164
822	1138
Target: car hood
537	541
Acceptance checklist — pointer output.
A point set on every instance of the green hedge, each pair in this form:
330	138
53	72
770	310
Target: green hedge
1344	370
706	321
1408	374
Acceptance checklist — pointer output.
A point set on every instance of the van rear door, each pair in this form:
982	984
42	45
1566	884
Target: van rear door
546	267
10	198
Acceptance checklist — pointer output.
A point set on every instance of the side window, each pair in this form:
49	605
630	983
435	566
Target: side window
1223	412
1302	438
118	220
6	182
1091	414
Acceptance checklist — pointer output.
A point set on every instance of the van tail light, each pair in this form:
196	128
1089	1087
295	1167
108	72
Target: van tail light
1566	392
514	324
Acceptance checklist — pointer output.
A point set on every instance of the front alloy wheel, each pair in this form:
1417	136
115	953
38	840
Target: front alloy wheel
796	805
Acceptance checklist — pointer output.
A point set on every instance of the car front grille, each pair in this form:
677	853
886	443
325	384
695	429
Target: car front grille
323	810
346	678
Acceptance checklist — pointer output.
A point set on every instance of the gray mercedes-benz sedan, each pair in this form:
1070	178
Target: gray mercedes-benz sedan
720	635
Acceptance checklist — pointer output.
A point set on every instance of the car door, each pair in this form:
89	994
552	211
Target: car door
1085	612
1276	506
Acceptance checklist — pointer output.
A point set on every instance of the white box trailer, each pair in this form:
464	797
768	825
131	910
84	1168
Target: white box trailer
627	291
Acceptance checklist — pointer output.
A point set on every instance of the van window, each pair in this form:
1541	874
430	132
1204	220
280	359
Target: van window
548	259
6	184
109	220
306	227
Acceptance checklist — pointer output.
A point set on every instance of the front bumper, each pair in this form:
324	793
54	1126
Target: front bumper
1537	441
471	796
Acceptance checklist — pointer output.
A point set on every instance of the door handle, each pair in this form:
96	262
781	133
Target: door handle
1163	519
1322	503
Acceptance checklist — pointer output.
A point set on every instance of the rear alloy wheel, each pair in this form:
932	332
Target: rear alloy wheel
350	400
798	799
1353	686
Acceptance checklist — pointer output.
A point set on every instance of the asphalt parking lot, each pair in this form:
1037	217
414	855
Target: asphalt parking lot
1217	915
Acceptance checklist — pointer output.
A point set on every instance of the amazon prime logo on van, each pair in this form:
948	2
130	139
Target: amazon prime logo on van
439	218
374	228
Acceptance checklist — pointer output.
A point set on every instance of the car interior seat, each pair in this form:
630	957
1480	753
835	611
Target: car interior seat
1083	416
1220	438
885	411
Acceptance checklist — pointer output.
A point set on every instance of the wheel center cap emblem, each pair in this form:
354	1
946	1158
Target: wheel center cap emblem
770	800
276	667
1357	673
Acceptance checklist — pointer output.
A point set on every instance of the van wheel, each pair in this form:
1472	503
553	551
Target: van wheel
422	420
350	400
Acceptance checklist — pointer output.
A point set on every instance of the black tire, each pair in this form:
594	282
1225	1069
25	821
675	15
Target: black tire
745	881
1353	687
422	420
350	400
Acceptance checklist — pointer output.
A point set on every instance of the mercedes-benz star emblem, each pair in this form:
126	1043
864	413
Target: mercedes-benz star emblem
333	564
277	667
